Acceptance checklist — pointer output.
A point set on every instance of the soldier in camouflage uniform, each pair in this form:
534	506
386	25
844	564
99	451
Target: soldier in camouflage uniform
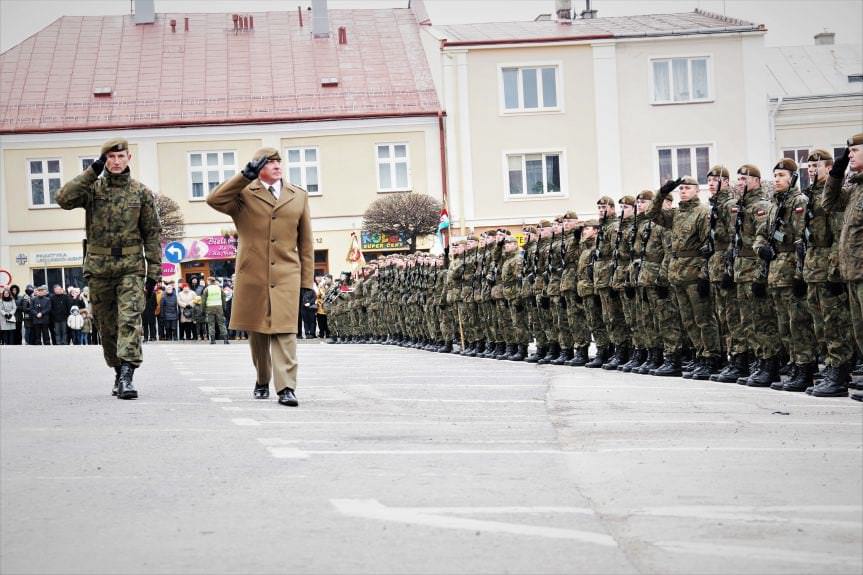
512	279
622	258
577	329
453	298
670	324
848	198
775	243
557	330
530	255
647	255
503	324
467	307
123	261
590	300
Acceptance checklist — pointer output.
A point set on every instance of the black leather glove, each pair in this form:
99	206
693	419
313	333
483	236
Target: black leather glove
669	186
727	281
703	287
759	290
150	286
835	288
662	292
253	168
840	164
98	164
798	288
766	253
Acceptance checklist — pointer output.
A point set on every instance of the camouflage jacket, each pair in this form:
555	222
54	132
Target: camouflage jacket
752	208
552	263
782	268
571	250
603	267
624	254
822	262
689	227
723	232
584	285
648	253
529	258
542	249
510	275
120	213
850	247
454	279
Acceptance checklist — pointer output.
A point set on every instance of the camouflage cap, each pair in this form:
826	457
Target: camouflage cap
114	145
786	164
270	153
856	140
688	181
627	201
819	154
719	171
529	229
570	215
605	201
749	170
645	195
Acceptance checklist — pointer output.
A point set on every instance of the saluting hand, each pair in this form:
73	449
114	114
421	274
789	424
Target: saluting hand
253	168
841	164
98	165
669	186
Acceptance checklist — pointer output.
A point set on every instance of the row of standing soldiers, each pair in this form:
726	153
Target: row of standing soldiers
754	285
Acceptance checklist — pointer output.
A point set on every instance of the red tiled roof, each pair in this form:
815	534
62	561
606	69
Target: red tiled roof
212	74
647	25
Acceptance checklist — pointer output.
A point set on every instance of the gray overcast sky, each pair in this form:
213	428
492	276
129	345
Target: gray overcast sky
789	22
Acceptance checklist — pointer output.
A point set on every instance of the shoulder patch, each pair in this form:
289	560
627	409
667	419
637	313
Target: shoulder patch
734	209
799	210
760	213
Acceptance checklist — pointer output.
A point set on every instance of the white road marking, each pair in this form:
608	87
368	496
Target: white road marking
372	509
757	514
732	448
221	399
246	422
433	451
758	553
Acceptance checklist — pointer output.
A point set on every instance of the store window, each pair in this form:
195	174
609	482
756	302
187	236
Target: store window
393	168
65	277
303	168
208	169
45	180
678	161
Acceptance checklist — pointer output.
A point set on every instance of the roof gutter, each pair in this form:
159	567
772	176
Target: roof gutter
232	122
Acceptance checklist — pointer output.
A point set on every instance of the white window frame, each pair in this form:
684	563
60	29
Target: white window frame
45	176
391	161
303	164
711	159
689	58
545	196
82	159
521	110
204	168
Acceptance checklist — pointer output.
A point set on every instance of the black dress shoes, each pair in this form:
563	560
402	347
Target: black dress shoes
287	397
262	391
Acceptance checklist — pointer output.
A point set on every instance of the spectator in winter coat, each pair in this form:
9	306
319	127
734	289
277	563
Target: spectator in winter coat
7	317
186	301
169	311
86	328
27	328
200	317
19	313
148	318
75	323
59	313
40	312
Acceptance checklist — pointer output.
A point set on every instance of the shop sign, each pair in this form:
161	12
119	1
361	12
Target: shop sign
379	241
168	270
21	259
52	258
211	248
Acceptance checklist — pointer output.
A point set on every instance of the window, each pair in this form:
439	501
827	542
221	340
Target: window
677	80
800	155
533	174
209	169
302	164
45	182
676	162
393	168
530	89
65	277
86	162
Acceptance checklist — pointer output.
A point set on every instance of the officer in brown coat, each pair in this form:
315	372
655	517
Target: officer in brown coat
275	262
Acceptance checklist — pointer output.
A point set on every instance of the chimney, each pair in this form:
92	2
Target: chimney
343	35
300	12
588	12
145	11
173	25
563	11
186	23
825	38
320	19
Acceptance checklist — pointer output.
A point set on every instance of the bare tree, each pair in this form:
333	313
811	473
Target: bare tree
409	214
173	224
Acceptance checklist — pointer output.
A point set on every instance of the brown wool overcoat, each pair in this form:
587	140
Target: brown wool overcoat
276	253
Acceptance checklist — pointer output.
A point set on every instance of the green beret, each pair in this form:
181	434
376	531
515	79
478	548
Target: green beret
819	154
856	140
719	171
688	181
270	153
114	145
605	200
749	170
626	200
786	164
570	215
645	195
544	224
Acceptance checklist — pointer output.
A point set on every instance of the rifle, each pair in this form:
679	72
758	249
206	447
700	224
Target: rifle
776	235
734	251
600	239
802	245
616	254
528	270
645	237
547	271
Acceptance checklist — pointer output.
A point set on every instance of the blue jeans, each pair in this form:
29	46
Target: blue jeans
60	333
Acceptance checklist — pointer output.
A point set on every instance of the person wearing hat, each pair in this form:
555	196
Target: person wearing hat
839	197
575	318
541	317
756	310
275	265
214	307
620	282
530	271
467	306
556	328
647	253
40	312
123	254
775	244
689	227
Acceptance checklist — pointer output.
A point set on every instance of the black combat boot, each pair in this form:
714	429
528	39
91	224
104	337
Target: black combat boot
621	356
520	352
706	368
509	351
565	356
445	346
736	368
653	361
501	350
551	354
768	373
670	368
479	348
803	379
126	389
490	349
754	367
116	381
537	354
638	357
602	355
835	384
580	357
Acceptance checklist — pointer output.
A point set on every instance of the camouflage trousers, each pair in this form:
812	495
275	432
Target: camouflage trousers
216	322
593	313
488	311
828	306
558	328
627	304
759	322
666	319
518	318
534	321
855	296
576	319
117	306
731	330
612	316
469	321
542	318
646	320
699	321
445	322
795	325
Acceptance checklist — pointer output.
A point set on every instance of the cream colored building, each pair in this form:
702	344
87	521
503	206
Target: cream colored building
546	116
351	122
